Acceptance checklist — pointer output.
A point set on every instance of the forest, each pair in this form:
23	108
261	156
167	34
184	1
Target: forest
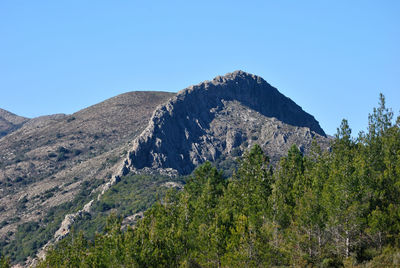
326	209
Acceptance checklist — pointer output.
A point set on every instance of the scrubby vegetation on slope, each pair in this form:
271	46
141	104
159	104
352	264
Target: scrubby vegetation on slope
134	194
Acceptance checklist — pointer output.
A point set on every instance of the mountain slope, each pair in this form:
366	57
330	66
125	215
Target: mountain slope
48	160
10	122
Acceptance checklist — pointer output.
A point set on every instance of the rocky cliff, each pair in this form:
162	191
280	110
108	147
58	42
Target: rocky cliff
211	119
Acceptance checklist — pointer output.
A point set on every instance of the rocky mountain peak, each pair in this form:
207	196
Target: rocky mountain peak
255	93
238	74
210	119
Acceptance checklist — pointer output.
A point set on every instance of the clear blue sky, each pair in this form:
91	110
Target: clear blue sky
331	57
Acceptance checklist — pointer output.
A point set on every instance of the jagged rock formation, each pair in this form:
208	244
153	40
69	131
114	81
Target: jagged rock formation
10	122
205	121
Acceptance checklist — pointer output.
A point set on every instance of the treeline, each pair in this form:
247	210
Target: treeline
326	209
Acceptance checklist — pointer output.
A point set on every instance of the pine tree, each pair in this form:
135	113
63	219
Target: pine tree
289	186
382	164
343	195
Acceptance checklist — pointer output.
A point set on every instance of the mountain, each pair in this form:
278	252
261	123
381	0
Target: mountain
58	170
211	119
10	122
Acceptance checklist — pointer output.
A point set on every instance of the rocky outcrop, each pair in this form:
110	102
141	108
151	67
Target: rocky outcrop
205	121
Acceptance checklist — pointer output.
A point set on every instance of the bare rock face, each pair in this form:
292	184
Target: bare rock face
204	121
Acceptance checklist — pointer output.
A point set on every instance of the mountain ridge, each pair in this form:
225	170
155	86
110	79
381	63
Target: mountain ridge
10	122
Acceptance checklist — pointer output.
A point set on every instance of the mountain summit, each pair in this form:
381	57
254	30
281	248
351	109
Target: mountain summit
214	118
255	93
